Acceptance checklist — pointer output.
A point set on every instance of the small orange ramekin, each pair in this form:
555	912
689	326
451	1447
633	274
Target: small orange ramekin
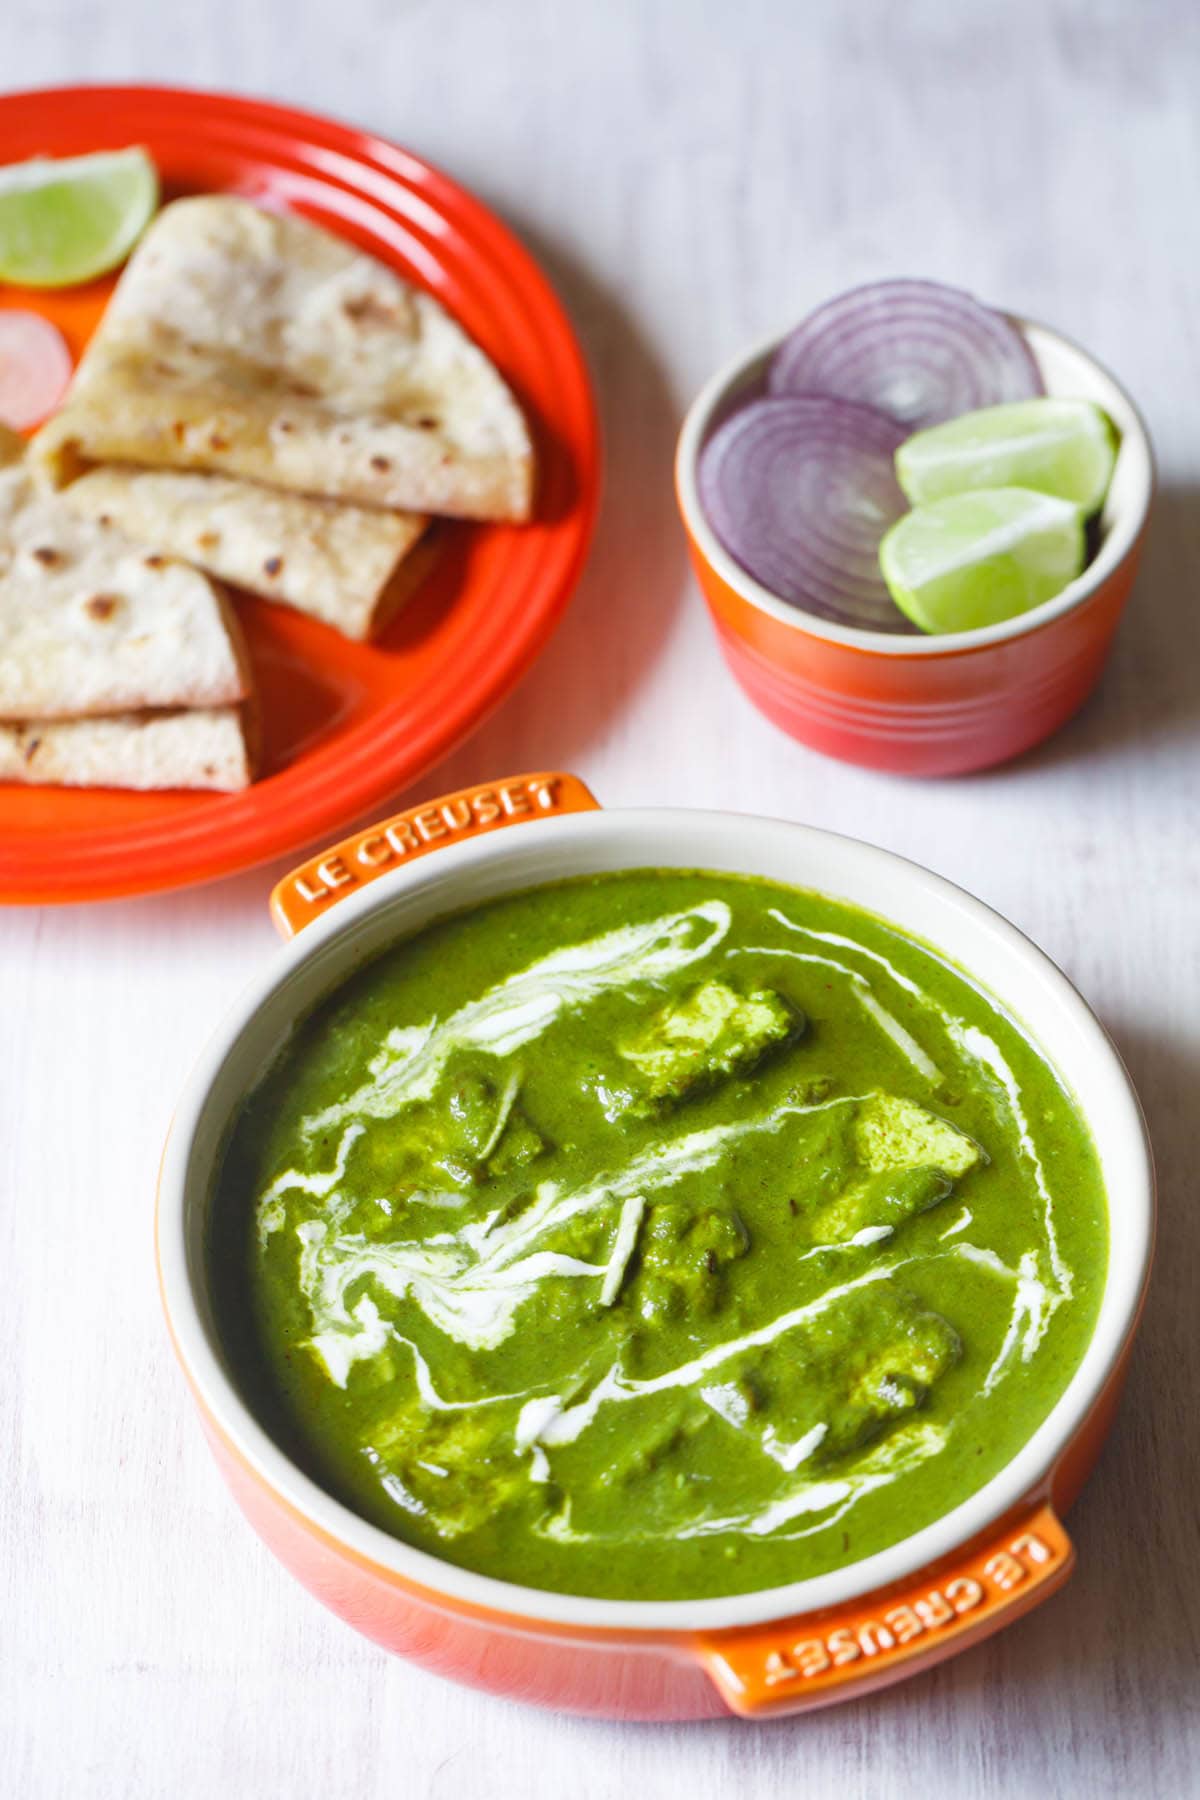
925	705
789	1649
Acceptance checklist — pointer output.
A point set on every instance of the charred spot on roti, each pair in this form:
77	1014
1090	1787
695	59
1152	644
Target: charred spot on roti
47	556
369	309
30	749
71	461
104	519
155	561
101	606
217	442
207	540
272	565
427	423
382	463
179	431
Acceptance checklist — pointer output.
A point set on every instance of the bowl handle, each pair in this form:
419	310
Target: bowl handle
344	868
792	1664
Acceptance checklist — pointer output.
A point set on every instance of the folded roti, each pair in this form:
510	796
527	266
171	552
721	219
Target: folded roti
349	566
92	622
197	749
257	344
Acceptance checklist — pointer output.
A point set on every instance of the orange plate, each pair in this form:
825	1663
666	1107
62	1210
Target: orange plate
345	725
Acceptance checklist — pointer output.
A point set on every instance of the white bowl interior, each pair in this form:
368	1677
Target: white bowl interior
965	931
1068	373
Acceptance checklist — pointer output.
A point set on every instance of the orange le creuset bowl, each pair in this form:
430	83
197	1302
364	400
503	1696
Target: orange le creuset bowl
939	705
776	1651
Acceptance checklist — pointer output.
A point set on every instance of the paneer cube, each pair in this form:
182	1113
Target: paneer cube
699	1041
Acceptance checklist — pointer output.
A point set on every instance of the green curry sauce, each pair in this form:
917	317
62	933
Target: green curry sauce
657	1235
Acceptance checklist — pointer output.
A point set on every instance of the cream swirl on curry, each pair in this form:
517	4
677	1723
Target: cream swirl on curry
661	1234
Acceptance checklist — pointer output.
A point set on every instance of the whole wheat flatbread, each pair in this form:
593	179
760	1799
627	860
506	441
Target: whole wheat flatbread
259	345
196	749
91	622
346	565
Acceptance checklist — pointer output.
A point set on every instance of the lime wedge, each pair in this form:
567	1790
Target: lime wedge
1063	447
977	559
63	222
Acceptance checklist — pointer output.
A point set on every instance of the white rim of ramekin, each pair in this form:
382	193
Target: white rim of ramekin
1024	1476
1118	542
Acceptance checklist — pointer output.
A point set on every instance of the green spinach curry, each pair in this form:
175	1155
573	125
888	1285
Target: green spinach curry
657	1235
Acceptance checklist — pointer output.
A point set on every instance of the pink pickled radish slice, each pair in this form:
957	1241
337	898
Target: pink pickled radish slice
915	349
800	491
35	367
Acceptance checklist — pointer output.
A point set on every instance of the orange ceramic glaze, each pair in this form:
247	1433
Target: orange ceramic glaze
926	705
366	855
941	715
616	1659
831	1656
793	1665
597	1672
344	725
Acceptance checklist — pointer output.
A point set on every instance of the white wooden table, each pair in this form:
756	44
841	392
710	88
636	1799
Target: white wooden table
693	175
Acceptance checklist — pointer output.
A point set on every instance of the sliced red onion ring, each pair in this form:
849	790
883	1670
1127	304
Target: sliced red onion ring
800	491
35	367
915	349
